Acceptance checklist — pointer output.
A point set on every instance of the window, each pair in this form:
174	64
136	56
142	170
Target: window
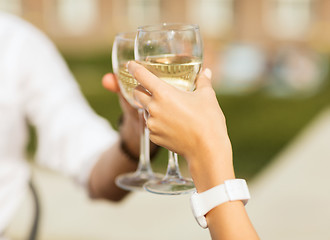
215	17
288	19
142	12
11	6
77	16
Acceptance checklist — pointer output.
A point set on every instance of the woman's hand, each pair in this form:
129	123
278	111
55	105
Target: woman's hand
189	123
193	125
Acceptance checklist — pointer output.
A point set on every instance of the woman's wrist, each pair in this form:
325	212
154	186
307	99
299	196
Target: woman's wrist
211	165
206	177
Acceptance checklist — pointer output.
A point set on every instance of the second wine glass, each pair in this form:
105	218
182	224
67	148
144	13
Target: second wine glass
174	53
122	52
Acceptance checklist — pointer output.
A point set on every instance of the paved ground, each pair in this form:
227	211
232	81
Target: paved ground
69	215
291	197
289	201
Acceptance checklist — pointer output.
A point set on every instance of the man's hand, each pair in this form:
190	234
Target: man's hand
110	82
130	129
113	162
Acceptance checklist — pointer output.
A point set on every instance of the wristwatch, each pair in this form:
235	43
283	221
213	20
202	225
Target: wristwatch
231	190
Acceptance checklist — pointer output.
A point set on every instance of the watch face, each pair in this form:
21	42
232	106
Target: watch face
237	189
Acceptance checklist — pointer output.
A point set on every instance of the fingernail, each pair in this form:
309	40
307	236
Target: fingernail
208	73
130	67
127	64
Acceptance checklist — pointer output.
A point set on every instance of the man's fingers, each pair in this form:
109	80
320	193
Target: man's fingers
146	78
142	97
204	79
109	82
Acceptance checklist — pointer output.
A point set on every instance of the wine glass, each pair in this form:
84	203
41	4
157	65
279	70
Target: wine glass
174	53
122	52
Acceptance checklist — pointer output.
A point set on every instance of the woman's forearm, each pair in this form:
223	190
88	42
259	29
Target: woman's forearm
229	221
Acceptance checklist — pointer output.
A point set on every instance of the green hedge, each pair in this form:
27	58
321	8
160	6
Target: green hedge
259	126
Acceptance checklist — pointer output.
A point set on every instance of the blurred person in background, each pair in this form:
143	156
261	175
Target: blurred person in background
37	87
195	129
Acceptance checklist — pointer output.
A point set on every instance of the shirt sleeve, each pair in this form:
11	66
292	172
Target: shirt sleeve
71	136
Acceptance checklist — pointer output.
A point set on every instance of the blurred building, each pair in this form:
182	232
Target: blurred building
258	27
76	23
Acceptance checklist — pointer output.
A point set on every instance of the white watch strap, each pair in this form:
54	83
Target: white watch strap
231	190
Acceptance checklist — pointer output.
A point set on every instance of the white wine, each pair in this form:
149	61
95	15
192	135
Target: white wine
127	85
178	70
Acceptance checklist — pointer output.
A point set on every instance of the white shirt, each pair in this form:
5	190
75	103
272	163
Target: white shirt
36	86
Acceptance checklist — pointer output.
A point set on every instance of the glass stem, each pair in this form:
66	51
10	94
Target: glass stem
173	170
144	166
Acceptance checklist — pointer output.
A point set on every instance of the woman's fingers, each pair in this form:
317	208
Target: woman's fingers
204	79
110	82
146	78
142	96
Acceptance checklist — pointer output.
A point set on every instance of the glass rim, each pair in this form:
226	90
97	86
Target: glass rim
126	35
171	27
